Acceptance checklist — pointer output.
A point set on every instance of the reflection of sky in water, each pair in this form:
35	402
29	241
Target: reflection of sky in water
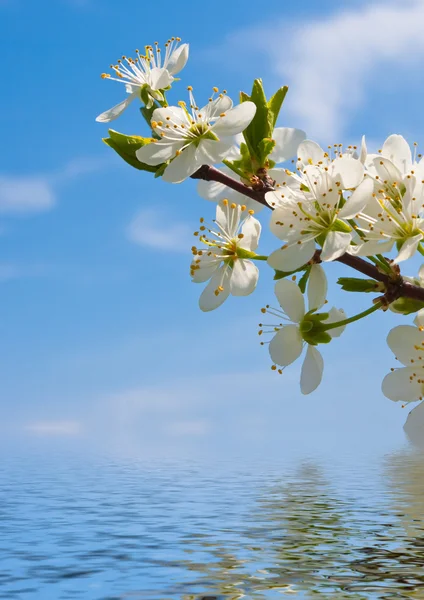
334	527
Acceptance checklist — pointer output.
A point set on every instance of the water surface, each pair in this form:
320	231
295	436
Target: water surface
105	529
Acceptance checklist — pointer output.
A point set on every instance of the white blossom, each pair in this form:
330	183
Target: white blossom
315	212
287	344
190	138
224	259
394	213
407	343
286	140
150	70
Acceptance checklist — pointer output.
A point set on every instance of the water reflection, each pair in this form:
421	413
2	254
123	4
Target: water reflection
114	531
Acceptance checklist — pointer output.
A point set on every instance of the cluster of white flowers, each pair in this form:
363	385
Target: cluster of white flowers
325	205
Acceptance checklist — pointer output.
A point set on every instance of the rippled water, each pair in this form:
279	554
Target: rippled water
129	530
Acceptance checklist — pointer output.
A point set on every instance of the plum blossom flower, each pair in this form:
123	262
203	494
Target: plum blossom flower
387	220
406	383
394	213
148	71
346	167
224	259
394	162
303	329
195	137
287	141
314	212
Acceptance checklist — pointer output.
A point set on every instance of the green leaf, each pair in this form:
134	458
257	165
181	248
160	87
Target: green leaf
282	274
160	170
265	147
355	284
304	279
148	113
259	127
126	146
258	134
274	105
406	306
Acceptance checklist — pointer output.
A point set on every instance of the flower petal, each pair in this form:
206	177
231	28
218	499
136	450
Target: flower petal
370	248
286	345
157	153
114	112
160	78
349	171
397	149
244	277
419	318
292	257
312	369
209	299
364	150
178	59
212	190
251	230
291	299
409	247
183	165
403	341
386	169
399	387
358	200
211	151
205	268
414	426
336	244
287	140
310	152
228	218
174	114
218	106
236	119
317	287
336	314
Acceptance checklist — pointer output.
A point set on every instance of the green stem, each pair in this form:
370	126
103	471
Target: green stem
234	169
260	257
355	318
384	264
420	249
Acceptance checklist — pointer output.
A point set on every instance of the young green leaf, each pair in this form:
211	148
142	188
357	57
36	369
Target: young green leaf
126	146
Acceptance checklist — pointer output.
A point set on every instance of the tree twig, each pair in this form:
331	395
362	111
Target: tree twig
211	174
396	286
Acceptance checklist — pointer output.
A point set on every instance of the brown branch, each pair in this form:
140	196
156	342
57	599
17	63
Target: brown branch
364	267
211	174
396	286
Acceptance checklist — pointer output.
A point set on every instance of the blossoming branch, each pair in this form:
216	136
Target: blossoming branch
361	209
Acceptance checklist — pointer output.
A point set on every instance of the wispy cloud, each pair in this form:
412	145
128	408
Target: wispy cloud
153	229
10	271
23	195
54	428
31	194
329	61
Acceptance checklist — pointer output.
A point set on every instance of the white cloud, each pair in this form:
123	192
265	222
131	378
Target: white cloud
20	195
9	271
54	428
329	62
153	229
24	195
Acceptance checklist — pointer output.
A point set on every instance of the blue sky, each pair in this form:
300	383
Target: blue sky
101	335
